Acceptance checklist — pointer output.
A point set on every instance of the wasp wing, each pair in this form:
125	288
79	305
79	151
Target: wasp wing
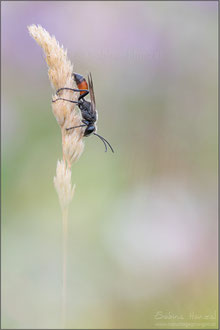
92	94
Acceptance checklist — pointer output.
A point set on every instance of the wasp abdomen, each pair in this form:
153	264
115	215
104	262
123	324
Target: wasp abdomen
81	82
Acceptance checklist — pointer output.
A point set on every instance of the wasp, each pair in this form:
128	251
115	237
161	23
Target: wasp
87	108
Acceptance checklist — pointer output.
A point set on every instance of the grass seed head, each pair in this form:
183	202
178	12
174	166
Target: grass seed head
63	185
60	72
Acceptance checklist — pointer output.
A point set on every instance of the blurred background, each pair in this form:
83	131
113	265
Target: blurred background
142	250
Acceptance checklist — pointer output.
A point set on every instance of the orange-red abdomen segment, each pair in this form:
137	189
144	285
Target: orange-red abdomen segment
81	82
82	85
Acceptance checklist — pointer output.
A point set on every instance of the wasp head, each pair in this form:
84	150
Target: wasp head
89	130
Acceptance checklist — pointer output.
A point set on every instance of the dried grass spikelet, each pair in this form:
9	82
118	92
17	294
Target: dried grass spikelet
62	182
60	72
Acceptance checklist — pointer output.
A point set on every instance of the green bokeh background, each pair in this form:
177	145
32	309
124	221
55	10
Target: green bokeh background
142	250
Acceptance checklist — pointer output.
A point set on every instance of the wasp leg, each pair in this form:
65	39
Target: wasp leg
75	127
60	98
75	90
72	89
86	122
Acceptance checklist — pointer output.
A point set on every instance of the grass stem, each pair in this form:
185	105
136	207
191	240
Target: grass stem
64	262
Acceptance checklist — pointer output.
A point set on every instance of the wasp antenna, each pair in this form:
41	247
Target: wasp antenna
104	141
108	144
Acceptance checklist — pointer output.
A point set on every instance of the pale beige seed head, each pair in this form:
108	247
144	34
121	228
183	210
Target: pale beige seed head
60	72
62	183
72	148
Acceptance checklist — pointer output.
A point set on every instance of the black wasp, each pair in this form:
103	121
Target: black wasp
88	109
